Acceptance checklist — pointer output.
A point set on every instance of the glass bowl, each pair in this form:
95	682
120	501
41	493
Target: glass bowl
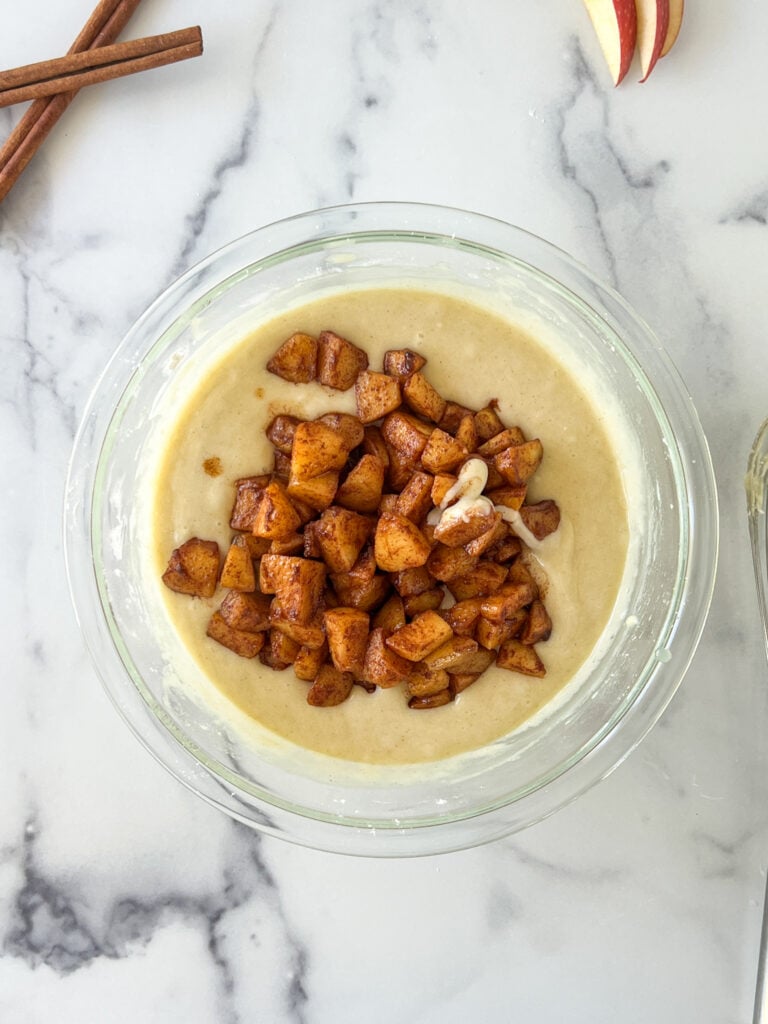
327	803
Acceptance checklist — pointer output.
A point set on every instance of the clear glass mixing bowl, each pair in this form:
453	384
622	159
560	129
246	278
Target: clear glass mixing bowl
333	805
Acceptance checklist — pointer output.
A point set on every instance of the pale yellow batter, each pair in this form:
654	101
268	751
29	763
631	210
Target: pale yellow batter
473	356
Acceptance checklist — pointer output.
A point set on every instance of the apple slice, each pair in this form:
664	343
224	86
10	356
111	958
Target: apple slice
652	25
675	21
615	23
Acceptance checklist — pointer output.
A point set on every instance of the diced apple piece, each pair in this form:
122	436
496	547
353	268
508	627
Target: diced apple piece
442	453
538	627
374	444
330	688
309	661
297	582
509	496
426	680
341	535
346	425
399	544
317	448
441	484
193	568
415	499
435	700
405	433
485	541
508	599
466	433
455	655
275	515
408	582
376	394
484	579
338	361
518	463
460	681
382	666
491	635
487	422
296	359
237	572
445	563
280	432
462	617
542	518
420	637
247	645
391	615
317	492
507	438
452	417
247	492
519	657
422	398
246	612
347	631
455	531
428	600
402	362
361	491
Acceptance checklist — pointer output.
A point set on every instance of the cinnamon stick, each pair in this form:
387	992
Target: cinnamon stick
104	25
76	70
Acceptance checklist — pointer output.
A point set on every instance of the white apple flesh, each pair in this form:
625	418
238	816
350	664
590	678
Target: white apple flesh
652	26
615	22
675	21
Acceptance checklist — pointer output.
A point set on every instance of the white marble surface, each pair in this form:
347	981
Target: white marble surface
122	897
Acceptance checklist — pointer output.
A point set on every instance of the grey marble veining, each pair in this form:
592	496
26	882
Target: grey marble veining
123	898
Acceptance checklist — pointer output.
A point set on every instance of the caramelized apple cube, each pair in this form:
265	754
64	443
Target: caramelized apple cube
422	398
415	499
487	422
347	631
308	662
280	432
193	568
399	544
297	582
402	362
247	493
376	394
246	612
426	680
434	700
318	492
296	359
420	637
538	626
542	518
275	514
247	645
446	563
361	491
317	448
346	425
382	666
518	463
442	453
518	657
237	572
405	433
391	615
341	535
455	655
330	688
338	361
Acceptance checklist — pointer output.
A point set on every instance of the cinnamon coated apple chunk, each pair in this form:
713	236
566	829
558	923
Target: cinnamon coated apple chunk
381	549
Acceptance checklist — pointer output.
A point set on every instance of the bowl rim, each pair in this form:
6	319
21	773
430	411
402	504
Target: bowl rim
602	755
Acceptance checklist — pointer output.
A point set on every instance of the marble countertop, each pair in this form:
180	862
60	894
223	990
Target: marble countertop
123	898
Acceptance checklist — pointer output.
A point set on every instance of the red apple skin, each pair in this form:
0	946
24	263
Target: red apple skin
676	9
652	16
615	20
